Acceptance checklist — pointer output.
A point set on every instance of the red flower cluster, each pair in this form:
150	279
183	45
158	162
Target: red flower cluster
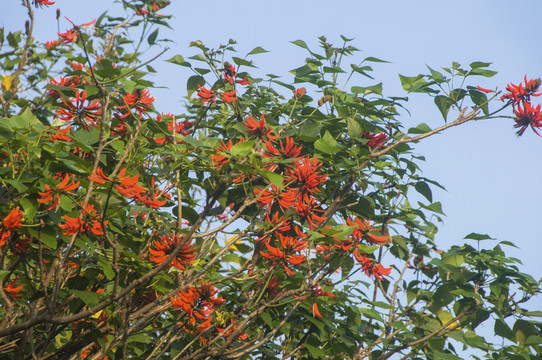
11	222
70	36
165	246
12	289
290	245
374	139
53	195
243	336
370	266
86	222
299	93
41	3
520	98
258	128
75	109
210	95
198	303
139	99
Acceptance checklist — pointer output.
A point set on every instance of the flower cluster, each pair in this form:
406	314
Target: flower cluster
53	194
520	98
199	303
161	249
86	222
11	223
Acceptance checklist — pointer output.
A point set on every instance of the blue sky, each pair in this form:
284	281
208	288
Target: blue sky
490	174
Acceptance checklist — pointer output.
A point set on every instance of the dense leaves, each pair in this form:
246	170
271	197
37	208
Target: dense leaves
258	222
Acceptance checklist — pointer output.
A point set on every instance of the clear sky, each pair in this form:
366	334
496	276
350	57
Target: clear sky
490	174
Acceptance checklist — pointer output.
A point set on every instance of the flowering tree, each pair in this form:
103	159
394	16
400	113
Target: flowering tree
252	225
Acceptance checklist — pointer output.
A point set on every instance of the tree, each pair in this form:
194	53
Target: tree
259	223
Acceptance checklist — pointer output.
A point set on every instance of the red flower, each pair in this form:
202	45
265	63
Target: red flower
206	94
244	81
286	257
484	90
60	135
520	93
11	222
125	185
268	197
41	3
75	109
229	72
306	177
199	303
370	266
288	151
258	128
364	230
50	45
165	246
374	140
53	194
139	99
307	210
243	336
86	222
299	93
229	96
12	289
70	36
219	160
527	116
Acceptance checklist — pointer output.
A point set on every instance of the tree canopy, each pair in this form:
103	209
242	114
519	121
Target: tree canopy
268	220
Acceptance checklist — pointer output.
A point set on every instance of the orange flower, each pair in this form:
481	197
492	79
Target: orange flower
229	96
364	230
244	81
370	266
41	3
53	194
206	94
165	246
199	303
225	334
70	36
75	109
125	185
139	99
288	151
86	222
229	72
375	140
10	223
299	93
12	289
258	128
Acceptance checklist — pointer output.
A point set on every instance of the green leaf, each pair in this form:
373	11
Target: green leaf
242	148
85	137
478	237
415	84
377	89
274	178
266	317
479	64
373	59
90	298
30	208
107	268
327	144
442	297
523	329
257	50
420	129
240	62
437	76
479	99
443	103
152	37
179	60
502	329
193	82
424	189
355	131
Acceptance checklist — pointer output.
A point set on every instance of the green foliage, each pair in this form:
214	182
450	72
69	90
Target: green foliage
259	222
